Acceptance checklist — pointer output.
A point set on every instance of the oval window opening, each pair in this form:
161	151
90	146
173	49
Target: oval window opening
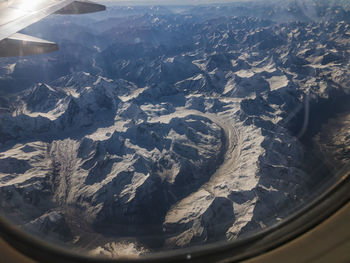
173	127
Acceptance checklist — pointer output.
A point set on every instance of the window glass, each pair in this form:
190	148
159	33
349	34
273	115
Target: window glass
167	125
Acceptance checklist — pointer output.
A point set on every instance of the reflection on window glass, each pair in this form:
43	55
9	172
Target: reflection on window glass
165	126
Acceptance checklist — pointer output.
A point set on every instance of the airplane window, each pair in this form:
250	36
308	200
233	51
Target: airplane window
173	126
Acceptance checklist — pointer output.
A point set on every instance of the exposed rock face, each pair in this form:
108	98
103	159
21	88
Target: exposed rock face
51	225
193	138
334	142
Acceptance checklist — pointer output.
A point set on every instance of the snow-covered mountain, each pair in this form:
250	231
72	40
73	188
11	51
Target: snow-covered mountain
185	130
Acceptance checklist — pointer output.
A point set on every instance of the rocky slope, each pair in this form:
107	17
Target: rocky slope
185	131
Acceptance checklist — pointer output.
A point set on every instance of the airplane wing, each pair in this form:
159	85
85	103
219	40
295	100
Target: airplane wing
18	14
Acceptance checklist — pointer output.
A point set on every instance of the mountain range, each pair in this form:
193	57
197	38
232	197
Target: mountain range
161	127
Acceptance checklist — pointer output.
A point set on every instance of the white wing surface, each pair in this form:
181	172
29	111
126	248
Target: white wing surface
15	15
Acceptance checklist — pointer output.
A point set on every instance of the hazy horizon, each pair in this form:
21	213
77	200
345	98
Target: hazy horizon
170	2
